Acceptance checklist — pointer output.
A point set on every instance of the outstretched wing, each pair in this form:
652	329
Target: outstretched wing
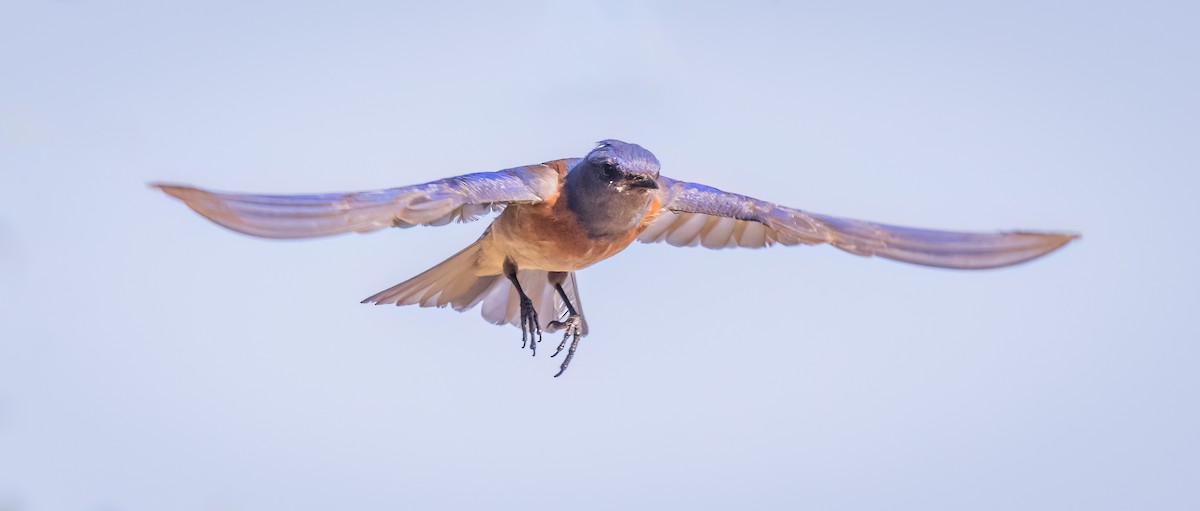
462	198
694	214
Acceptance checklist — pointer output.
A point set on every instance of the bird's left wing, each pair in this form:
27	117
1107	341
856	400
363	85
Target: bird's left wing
462	198
695	214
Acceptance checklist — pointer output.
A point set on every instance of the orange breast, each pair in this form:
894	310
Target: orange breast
548	235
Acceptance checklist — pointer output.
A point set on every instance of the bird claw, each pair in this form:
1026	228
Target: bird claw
530	326
573	327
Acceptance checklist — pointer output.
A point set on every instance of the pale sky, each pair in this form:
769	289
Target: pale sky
150	360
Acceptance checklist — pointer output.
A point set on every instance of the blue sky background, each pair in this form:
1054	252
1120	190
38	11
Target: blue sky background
150	360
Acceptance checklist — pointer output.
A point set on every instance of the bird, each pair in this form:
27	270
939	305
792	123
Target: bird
562	216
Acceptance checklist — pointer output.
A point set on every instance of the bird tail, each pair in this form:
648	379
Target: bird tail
454	283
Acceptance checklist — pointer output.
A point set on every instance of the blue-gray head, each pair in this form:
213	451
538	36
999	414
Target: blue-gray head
610	189
623	166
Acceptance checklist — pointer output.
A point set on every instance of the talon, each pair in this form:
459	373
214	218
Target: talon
572	324
531	331
570	354
573	327
560	346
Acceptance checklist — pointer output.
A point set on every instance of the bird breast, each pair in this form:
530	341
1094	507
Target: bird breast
552	236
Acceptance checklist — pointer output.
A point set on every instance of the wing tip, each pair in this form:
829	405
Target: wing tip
1068	235
1046	243
181	192
1052	240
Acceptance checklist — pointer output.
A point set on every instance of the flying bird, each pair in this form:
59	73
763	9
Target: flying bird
561	216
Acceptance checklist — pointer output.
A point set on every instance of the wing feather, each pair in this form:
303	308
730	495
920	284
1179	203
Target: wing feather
461	198
698	214
686	231
718	236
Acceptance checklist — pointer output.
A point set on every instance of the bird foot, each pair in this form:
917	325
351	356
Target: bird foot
573	327
531	330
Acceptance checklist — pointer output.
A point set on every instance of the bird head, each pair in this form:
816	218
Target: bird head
627	168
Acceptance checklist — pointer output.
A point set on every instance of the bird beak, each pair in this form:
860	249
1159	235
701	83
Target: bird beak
643	183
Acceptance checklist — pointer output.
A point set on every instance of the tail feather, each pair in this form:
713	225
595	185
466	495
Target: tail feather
454	283
502	305
496	302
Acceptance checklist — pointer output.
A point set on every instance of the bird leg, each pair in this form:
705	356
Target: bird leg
573	327
530	326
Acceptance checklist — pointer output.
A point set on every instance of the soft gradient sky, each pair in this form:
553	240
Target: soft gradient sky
150	360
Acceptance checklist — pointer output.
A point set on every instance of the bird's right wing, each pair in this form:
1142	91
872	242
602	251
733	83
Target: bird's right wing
695	214
462	198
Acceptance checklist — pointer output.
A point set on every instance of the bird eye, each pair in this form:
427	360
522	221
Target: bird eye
611	171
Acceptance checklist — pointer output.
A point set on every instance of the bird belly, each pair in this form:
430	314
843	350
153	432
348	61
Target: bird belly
545	237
